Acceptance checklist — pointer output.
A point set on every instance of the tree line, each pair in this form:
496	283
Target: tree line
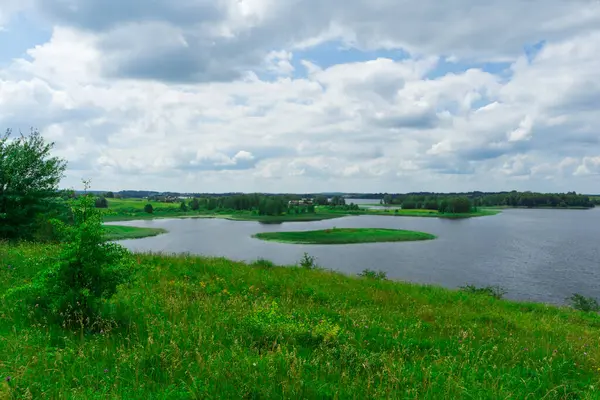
262	204
478	199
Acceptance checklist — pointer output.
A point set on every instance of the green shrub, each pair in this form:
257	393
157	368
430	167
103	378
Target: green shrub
263	263
148	208
582	303
101	202
309	262
85	273
371	274
495	291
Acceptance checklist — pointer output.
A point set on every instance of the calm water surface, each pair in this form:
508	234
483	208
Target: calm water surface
539	255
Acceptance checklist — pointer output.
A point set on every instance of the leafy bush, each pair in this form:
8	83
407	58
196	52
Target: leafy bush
371	274
101	202
309	262
582	303
495	291
263	263
86	272
183	207
148	208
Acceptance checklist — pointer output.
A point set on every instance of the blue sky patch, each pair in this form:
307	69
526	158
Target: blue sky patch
20	34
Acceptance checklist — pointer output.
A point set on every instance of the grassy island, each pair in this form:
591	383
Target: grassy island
345	236
116	232
193	327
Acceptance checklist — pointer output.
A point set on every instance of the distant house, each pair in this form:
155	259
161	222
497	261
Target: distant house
301	202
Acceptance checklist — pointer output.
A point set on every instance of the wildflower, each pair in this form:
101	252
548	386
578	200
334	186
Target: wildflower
8	379
525	349
106	371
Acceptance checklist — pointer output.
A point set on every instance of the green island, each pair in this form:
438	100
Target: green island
345	236
117	232
192	327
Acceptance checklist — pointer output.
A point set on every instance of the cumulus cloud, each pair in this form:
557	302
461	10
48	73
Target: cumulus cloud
206	40
215	95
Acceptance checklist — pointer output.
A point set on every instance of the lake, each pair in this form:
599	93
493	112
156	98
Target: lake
538	255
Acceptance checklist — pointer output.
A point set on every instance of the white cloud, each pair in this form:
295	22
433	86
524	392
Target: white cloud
523	132
589	166
279	62
204	117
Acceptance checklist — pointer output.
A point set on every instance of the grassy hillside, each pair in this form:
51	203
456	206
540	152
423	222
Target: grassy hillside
211	328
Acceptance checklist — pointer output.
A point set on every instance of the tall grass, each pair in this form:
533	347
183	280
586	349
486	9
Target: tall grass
193	327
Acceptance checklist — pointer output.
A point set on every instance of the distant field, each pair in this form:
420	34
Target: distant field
432	213
138	204
345	236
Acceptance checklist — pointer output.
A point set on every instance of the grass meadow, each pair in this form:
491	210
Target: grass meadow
196	328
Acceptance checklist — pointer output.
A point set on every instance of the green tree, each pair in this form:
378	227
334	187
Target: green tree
183	207
460	205
101	202
211	204
87	271
195	204
338	201
431	204
148	208
408	205
321	200
109	195
443	206
29	178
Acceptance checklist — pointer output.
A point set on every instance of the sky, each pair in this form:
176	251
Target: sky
309	95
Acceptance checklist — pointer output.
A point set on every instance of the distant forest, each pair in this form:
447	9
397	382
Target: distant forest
506	199
429	200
